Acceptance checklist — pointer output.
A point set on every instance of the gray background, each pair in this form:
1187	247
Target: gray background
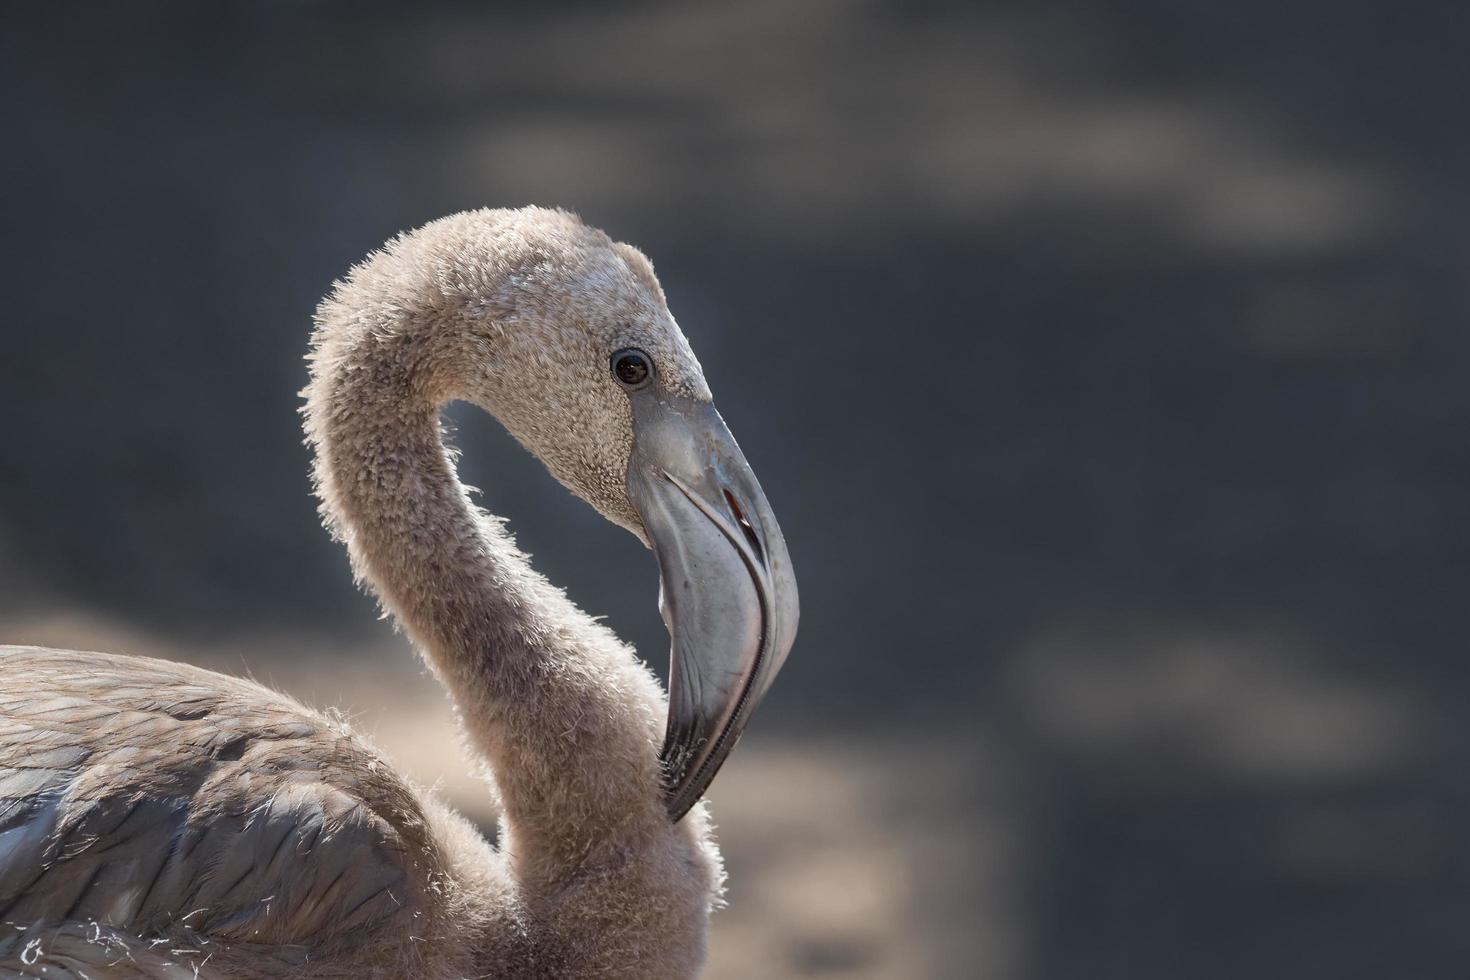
1103	362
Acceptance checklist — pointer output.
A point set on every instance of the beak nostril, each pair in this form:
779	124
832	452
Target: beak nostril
745	526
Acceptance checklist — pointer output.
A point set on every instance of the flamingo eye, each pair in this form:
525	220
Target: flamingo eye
632	368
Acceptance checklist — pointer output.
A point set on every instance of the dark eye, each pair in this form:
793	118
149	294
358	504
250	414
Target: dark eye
631	367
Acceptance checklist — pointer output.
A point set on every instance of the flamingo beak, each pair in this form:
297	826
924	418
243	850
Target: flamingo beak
727	592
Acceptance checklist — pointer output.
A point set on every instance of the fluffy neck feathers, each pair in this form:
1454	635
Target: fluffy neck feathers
567	718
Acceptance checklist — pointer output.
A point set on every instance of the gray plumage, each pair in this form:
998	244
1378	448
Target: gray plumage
148	800
165	821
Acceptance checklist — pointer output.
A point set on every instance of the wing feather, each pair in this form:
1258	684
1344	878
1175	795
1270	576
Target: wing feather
142	798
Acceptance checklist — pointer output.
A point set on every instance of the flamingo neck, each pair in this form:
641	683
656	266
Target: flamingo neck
567	718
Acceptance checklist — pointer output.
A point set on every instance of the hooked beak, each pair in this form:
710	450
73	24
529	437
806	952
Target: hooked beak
727	593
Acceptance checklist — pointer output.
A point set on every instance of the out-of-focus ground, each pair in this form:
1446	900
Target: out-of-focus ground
1104	363
922	852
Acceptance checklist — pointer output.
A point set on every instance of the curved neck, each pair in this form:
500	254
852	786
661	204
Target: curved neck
567	718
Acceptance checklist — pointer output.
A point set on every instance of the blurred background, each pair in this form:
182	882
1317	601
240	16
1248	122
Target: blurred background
1105	364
